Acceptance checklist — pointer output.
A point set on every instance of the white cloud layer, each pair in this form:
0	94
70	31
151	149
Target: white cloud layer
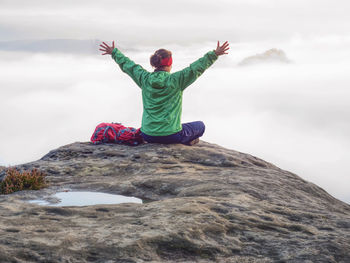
168	21
294	115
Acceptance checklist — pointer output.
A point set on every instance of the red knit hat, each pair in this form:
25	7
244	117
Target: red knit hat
166	61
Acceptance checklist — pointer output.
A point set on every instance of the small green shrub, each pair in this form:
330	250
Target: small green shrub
26	180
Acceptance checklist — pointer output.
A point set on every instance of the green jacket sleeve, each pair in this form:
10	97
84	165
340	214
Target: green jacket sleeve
188	75
135	71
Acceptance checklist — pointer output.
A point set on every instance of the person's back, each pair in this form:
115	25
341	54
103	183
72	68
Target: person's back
162	93
162	105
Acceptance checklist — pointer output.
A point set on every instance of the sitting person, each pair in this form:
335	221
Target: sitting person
162	93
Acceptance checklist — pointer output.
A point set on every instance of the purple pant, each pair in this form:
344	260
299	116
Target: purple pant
189	132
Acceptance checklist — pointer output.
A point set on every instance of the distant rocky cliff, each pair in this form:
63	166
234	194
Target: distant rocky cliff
202	203
272	55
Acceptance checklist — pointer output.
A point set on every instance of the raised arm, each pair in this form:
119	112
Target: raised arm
221	50
135	71
188	75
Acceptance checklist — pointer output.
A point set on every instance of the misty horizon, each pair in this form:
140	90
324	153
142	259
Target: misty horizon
295	115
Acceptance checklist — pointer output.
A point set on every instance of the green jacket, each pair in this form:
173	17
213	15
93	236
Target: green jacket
162	92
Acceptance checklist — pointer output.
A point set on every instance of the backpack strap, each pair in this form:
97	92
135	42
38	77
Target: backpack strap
105	139
97	132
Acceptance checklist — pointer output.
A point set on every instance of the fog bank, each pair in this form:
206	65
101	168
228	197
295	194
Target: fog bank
293	115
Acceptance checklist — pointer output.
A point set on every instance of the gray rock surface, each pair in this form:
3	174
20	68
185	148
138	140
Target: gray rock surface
202	203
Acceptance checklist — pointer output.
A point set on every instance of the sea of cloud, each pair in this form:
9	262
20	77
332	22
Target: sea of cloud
166	21
294	115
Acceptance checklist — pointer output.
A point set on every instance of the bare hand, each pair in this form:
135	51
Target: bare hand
107	49
221	50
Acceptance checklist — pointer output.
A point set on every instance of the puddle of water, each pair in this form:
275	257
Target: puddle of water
87	198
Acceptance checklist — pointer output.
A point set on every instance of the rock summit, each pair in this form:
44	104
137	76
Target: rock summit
202	203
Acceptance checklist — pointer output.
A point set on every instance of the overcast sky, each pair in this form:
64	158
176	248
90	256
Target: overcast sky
294	115
147	22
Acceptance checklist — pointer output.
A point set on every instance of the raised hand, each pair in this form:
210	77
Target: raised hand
107	49
221	50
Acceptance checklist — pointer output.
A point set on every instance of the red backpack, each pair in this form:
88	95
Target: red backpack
116	133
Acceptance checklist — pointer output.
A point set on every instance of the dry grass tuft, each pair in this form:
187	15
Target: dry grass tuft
26	180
